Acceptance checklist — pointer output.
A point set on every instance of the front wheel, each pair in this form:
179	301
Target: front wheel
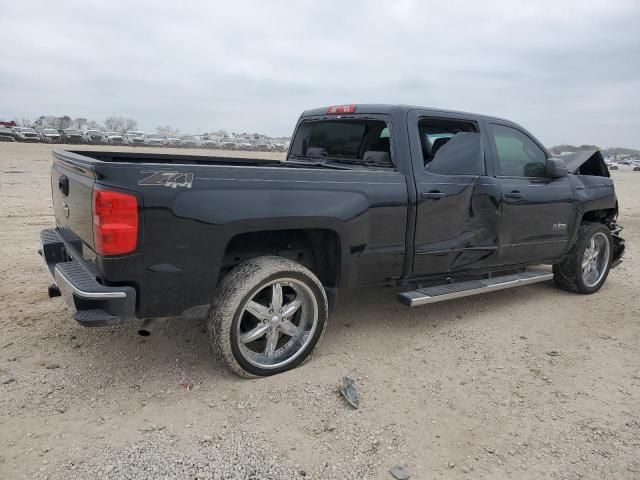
268	315
586	267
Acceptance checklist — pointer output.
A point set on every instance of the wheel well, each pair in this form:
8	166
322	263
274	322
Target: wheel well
316	249
604	216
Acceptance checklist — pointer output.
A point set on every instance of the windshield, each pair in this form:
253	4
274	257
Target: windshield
27	130
71	131
50	130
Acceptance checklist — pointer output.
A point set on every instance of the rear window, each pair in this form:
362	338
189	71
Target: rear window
363	141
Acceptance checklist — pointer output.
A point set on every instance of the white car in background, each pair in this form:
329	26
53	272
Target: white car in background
49	135
188	140
135	138
26	134
173	141
114	138
93	137
154	140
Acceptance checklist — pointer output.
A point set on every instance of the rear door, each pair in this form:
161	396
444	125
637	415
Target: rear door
537	211
457	211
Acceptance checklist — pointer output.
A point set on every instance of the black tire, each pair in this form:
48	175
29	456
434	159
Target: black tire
568	273
239	287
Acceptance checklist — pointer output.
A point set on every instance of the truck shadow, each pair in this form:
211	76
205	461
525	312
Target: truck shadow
180	348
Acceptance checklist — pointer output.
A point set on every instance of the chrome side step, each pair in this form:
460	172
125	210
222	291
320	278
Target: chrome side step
439	293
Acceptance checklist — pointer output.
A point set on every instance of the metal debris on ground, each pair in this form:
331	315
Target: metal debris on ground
399	472
349	391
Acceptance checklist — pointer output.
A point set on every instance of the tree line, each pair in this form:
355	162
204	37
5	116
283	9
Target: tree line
114	123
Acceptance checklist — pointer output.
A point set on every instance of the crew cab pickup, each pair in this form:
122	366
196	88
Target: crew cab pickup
440	204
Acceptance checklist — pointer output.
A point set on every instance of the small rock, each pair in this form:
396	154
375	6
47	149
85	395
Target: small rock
52	366
6	380
399	472
451	465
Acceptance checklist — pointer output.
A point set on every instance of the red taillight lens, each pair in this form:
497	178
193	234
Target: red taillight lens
115	222
339	109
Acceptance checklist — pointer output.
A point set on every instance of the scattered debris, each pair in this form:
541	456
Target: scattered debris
554	353
187	386
152	428
6	380
7	345
52	366
349	391
399	472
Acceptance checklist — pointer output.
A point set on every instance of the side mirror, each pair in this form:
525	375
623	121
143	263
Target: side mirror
555	168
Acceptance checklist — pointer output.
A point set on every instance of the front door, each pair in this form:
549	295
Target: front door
536	211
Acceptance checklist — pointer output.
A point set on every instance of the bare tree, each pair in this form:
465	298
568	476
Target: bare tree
120	124
25	122
60	123
80	123
93	125
167	130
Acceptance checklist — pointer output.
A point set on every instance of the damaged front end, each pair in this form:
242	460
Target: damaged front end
586	165
618	244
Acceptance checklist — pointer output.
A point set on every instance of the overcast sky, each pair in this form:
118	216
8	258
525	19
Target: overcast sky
569	71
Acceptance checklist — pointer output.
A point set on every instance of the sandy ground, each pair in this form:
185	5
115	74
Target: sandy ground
532	382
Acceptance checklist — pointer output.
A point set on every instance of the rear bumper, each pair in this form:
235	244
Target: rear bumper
95	304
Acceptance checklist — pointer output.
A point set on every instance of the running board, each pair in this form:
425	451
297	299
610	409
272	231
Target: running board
439	293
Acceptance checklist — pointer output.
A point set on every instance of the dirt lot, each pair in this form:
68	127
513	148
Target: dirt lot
526	383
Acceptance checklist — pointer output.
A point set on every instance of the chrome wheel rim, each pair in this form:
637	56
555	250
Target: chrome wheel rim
595	260
277	323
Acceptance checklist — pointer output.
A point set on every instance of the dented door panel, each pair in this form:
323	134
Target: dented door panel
458	230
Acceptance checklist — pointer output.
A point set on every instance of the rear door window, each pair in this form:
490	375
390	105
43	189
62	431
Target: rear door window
451	147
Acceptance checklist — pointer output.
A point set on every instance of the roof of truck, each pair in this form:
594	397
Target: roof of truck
386	108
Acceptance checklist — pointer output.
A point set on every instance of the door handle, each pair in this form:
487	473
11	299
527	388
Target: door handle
433	195
513	194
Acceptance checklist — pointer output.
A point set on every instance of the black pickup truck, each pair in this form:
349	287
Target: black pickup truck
442	204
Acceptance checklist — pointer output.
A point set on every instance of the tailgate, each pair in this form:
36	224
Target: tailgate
72	182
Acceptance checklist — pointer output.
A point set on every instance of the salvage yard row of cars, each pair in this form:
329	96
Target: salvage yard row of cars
136	138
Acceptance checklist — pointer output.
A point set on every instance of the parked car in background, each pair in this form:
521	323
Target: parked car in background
135	138
94	137
71	135
49	135
228	144
26	134
7	135
154	140
188	140
114	138
209	143
173	141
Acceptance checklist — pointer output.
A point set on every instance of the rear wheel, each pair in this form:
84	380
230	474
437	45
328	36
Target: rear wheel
586	267
268	315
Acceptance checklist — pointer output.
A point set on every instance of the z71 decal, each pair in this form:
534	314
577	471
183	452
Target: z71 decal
167	179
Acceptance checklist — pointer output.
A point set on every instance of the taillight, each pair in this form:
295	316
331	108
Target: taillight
339	109
115	222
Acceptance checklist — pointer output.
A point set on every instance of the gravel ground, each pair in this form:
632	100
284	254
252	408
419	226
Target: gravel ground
532	382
